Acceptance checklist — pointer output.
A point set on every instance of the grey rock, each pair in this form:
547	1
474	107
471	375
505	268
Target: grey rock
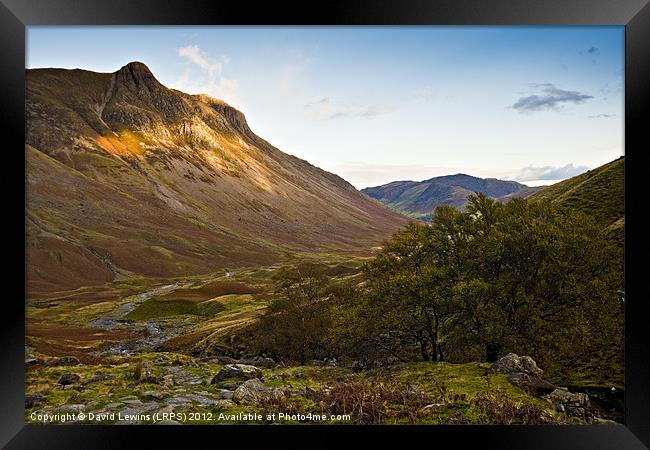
33	400
153	394
113	405
532	385
72	408
178	401
574	404
253	391
224	404
98	377
68	378
226	393
237	370
150	405
64	361
511	363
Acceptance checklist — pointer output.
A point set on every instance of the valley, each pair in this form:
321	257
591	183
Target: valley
178	264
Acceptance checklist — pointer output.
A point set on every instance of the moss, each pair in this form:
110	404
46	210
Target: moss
152	309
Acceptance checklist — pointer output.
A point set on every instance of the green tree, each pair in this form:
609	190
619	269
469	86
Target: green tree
530	277
295	322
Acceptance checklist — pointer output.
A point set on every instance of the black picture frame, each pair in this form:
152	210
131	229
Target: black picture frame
15	15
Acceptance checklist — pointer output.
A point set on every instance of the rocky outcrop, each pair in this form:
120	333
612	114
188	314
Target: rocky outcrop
252	392
573	404
64	361
68	378
237	371
32	400
511	363
530	384
97	378
522	371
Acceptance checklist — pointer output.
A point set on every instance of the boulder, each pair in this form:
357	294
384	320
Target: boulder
511	363
153	394
64	361
224	403
32	400
98	377
258	361
146	376
68	378
531	384
572	403
253	391
245	371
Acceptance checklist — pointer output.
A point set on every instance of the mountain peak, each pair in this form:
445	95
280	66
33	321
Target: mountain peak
420	199
137	76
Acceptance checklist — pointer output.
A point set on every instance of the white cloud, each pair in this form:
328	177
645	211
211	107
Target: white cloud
325	109
201	59
209	79
225	89
423	93
549	172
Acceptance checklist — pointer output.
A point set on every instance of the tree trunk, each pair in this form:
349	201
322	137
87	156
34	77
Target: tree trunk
492	351
434	351
423	350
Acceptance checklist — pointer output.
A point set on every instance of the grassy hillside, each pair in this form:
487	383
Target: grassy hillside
128	176
599	192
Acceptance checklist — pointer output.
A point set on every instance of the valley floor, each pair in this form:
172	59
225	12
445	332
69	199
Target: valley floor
142	351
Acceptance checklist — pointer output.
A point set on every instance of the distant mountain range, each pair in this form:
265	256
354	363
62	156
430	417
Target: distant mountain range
128	177
419	199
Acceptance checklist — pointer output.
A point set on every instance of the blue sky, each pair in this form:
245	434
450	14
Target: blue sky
378	104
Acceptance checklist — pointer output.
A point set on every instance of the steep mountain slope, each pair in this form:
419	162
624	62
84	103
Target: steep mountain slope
599	192
420	199
127	176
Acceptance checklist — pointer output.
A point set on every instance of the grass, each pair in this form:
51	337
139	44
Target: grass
154	309
415	393
599	192
209	291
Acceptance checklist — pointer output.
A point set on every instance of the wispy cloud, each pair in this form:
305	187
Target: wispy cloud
201	59
549	172
549	97
325	109
423	93
205	77
601	116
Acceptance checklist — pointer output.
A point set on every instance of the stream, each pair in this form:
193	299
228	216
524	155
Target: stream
155	332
